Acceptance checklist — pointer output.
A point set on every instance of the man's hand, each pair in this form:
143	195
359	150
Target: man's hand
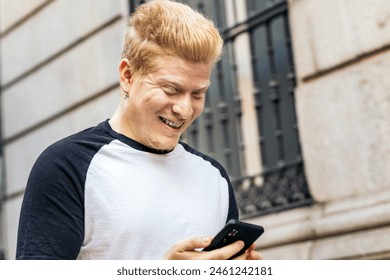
186	250
250	254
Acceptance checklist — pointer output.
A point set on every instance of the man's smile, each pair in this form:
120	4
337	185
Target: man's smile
171	123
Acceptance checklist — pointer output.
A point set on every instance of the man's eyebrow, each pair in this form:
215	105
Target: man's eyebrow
202	89
180	87
165	82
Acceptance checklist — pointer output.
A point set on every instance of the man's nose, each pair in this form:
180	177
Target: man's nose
183	107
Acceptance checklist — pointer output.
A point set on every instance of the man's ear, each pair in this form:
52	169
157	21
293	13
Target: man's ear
125	74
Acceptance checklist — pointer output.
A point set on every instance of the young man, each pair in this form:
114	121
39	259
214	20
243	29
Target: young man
128	188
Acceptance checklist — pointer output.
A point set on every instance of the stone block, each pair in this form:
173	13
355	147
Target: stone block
353	245
296	251
285	227
11	215
21	154
328	33
344	125
358	245
73	77
51	30
13	11
350	221
321	221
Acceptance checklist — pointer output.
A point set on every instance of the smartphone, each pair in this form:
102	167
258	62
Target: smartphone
236	230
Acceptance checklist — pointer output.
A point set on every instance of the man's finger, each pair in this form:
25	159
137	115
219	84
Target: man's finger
226	252
254	255
193	243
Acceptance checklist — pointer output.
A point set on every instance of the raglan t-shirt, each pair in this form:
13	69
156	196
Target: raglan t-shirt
100	195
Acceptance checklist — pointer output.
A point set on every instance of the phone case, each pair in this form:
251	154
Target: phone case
236	230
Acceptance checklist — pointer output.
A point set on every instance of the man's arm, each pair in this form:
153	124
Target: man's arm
51	224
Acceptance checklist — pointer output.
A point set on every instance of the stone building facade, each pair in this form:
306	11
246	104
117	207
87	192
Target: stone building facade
342	51
59	75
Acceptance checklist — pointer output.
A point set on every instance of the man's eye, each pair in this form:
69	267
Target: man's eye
199	95
170	90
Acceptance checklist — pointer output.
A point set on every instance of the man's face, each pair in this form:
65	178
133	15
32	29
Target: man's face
163	104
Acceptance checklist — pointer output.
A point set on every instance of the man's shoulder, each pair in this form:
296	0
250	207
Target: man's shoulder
215	163
79	145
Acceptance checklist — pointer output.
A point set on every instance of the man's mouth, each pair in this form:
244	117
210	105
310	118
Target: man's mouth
171	123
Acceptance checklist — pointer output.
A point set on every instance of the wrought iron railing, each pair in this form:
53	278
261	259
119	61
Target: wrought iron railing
272	191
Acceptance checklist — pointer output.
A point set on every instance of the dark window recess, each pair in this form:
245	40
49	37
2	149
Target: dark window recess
213	9
254	6
133	5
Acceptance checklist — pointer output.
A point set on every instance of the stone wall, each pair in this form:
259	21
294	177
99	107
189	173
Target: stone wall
342	58
59	62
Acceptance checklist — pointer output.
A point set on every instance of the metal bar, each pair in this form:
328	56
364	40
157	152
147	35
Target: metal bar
257	97
291	78
274	95
254	20
272	170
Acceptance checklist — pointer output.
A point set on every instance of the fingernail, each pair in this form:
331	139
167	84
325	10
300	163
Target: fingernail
206	240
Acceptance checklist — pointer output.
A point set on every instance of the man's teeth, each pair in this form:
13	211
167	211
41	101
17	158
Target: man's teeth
171	123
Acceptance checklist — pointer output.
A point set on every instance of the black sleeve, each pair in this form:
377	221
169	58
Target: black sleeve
233	209
51	224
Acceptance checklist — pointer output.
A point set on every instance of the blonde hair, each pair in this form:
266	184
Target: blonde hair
162	28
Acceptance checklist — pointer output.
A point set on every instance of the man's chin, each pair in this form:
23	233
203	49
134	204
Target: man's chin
167	145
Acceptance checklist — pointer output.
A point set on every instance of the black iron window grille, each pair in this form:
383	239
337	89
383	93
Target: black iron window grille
283	185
